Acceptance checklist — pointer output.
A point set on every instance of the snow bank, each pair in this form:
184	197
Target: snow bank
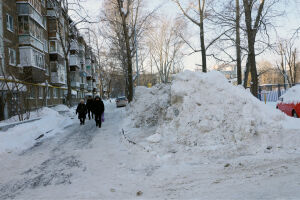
292	95
203	111
61	108
23	136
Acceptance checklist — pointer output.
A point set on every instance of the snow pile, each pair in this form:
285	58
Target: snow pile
203	111
23	136
61	108
292	95
151	104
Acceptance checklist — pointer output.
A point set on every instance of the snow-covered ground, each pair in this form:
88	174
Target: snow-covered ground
23	136
179	141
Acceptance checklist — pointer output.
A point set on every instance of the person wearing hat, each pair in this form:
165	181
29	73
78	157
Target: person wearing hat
81	111
98	110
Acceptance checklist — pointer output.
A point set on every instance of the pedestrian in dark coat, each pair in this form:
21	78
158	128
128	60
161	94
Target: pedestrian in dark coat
81	111
98	110
89	106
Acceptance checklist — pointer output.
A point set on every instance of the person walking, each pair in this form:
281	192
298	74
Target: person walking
81	111
98	109
89	106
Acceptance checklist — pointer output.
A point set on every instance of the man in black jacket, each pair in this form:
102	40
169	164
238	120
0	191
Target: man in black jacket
98	110
89	106
81	110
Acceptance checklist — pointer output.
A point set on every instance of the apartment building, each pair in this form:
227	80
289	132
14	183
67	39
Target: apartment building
1	40
55	23
229	70
32	56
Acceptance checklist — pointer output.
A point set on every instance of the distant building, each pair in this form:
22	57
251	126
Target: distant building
229	70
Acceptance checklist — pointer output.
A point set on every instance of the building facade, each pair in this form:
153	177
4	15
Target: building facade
33	67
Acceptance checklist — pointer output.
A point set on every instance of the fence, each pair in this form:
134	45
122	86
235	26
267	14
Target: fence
271	96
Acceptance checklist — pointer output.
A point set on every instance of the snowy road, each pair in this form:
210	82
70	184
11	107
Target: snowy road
85	162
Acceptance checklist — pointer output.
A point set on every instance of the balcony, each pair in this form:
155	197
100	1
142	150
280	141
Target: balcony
75	84
55	48
94	85
74	46
57	79
53	34
26	9
33	63
31	41
90	86
58	74
88	61
75	79
83	86
89	71
81	48
55	12
82	60
82	73
75	61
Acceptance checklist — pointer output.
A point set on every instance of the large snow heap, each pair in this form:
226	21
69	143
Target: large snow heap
292	95
201	110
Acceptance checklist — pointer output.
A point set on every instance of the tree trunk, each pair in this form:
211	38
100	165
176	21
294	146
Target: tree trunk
129	61
203	48
238	44
246	76
251	33
69	95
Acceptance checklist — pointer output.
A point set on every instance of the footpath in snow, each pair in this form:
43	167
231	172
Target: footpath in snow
197	138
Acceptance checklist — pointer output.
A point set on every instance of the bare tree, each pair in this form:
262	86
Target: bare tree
17	94
287	65
165	44
126	22
226	18
258	14
238	42
201	12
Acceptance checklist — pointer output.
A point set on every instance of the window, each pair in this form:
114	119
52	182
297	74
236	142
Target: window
49	93
46	46
52	46
53	67
32	93
23	25
35	30
12	56
23	9
62	91
55	93
41	92
10	23
45	22
39	60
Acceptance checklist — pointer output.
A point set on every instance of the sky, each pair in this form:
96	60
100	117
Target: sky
285	25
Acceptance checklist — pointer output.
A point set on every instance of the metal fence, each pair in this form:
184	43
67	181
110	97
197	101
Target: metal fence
270	96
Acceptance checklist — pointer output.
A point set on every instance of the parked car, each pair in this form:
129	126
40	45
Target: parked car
289	103
121	102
